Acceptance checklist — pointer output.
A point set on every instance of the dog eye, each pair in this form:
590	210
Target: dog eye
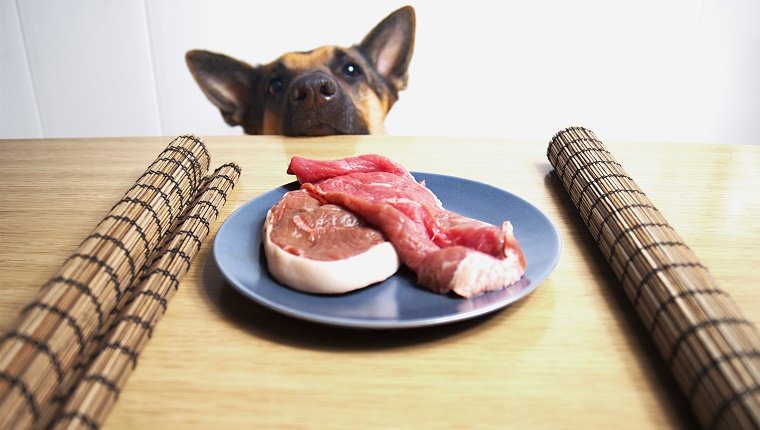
351	70
275	86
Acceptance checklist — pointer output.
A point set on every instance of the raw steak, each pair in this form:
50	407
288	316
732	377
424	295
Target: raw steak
323	248
447	251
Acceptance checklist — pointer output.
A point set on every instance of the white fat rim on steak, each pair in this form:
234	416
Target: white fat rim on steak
329	277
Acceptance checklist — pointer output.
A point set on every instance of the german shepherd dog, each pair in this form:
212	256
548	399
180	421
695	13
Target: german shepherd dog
325	91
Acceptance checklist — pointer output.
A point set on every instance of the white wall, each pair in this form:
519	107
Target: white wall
649	70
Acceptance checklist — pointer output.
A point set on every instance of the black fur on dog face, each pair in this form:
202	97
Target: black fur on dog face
328	90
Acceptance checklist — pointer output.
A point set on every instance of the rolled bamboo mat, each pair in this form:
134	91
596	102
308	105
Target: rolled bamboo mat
102	300
712	350
99	388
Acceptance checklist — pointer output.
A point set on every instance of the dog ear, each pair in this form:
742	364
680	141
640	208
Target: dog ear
390	46
227	82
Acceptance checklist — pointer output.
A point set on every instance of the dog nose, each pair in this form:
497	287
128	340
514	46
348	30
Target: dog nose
313	89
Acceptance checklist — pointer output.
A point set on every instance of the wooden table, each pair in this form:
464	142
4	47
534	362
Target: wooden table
571	355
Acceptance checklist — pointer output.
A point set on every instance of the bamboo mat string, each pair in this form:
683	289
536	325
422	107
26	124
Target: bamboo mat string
711	348
49	345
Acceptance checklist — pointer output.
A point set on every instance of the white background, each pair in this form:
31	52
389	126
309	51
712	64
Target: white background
647	70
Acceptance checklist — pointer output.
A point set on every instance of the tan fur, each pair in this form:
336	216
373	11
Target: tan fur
316	59
270	124
374	111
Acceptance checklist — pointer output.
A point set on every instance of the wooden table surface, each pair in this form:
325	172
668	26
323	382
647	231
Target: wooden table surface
571	355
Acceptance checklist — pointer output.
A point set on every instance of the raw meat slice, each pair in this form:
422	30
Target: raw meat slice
307	170
447	251
462	270
323	248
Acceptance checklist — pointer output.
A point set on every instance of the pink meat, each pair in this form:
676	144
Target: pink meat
447	251
301	225
314	171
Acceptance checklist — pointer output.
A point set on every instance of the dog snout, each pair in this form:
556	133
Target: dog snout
313	90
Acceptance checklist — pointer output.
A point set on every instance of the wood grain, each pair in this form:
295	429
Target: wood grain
572	355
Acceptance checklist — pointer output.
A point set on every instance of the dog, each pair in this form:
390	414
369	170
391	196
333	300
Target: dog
325	91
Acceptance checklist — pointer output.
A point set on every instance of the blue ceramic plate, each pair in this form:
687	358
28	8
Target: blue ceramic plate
397	302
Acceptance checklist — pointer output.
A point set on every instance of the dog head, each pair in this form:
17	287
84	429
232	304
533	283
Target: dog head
329	90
